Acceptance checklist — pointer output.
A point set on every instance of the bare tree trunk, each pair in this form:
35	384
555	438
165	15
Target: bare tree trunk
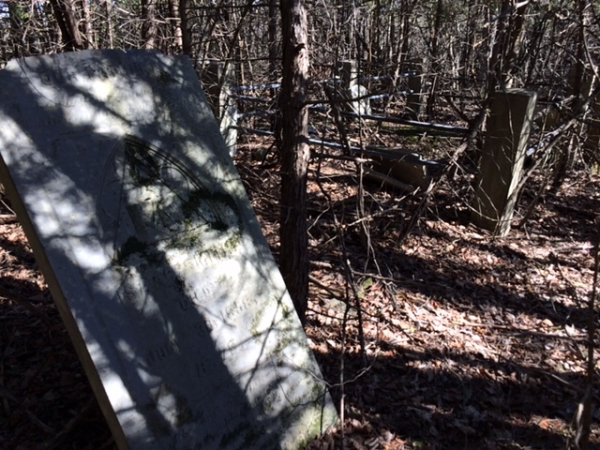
377	30
272	39
535	47
495	75
148	23
175	24
577	87
468	44
295	152
435	65
15	26
186	27
272	31
67	22
515	40
87	24
109	27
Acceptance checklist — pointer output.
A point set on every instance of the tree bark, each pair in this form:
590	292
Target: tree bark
272	40
148	23
435	64
65	17
109	27
15	27
515	40
295	152
186	27
175	25
87	24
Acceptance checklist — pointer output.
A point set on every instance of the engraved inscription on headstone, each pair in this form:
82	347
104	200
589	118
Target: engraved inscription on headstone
156	261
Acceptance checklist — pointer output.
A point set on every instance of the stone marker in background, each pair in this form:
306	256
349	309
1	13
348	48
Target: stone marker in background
355	93
502	160
144	233
414	100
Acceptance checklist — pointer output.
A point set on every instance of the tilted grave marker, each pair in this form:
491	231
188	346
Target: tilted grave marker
502	160
144	233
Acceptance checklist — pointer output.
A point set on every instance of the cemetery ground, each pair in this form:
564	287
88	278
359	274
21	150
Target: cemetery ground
471	342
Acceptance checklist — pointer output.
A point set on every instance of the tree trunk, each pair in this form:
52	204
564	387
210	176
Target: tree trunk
273	63
186	27
87	24
272	40
109	26
175	25
576	85
148	23
15	13
67	22
515	40
435	65
495	76
295	152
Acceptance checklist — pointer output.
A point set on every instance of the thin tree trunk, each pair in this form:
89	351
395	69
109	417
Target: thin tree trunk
148	23
272	39
468	44
495	75
186	27
65	16
87	24
513	46
295	152
576	86
109	27
175	24
15	29
435	65
273	63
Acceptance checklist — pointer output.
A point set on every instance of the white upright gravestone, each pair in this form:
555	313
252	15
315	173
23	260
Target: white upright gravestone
153	254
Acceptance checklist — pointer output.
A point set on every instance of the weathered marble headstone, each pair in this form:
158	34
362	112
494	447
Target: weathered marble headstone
153	254
360	104
356	94
414	101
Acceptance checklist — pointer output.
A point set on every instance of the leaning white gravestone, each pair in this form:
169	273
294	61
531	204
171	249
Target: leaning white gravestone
153	254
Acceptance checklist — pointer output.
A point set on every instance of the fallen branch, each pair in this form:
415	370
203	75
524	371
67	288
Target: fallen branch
478	122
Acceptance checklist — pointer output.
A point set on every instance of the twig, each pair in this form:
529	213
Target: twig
458	112
6	219
332	292
37	422
345	259
477	123
8	207
405	282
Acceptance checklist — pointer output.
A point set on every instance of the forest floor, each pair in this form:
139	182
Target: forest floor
471	342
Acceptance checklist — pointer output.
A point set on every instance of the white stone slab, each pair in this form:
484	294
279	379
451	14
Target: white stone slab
154	256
